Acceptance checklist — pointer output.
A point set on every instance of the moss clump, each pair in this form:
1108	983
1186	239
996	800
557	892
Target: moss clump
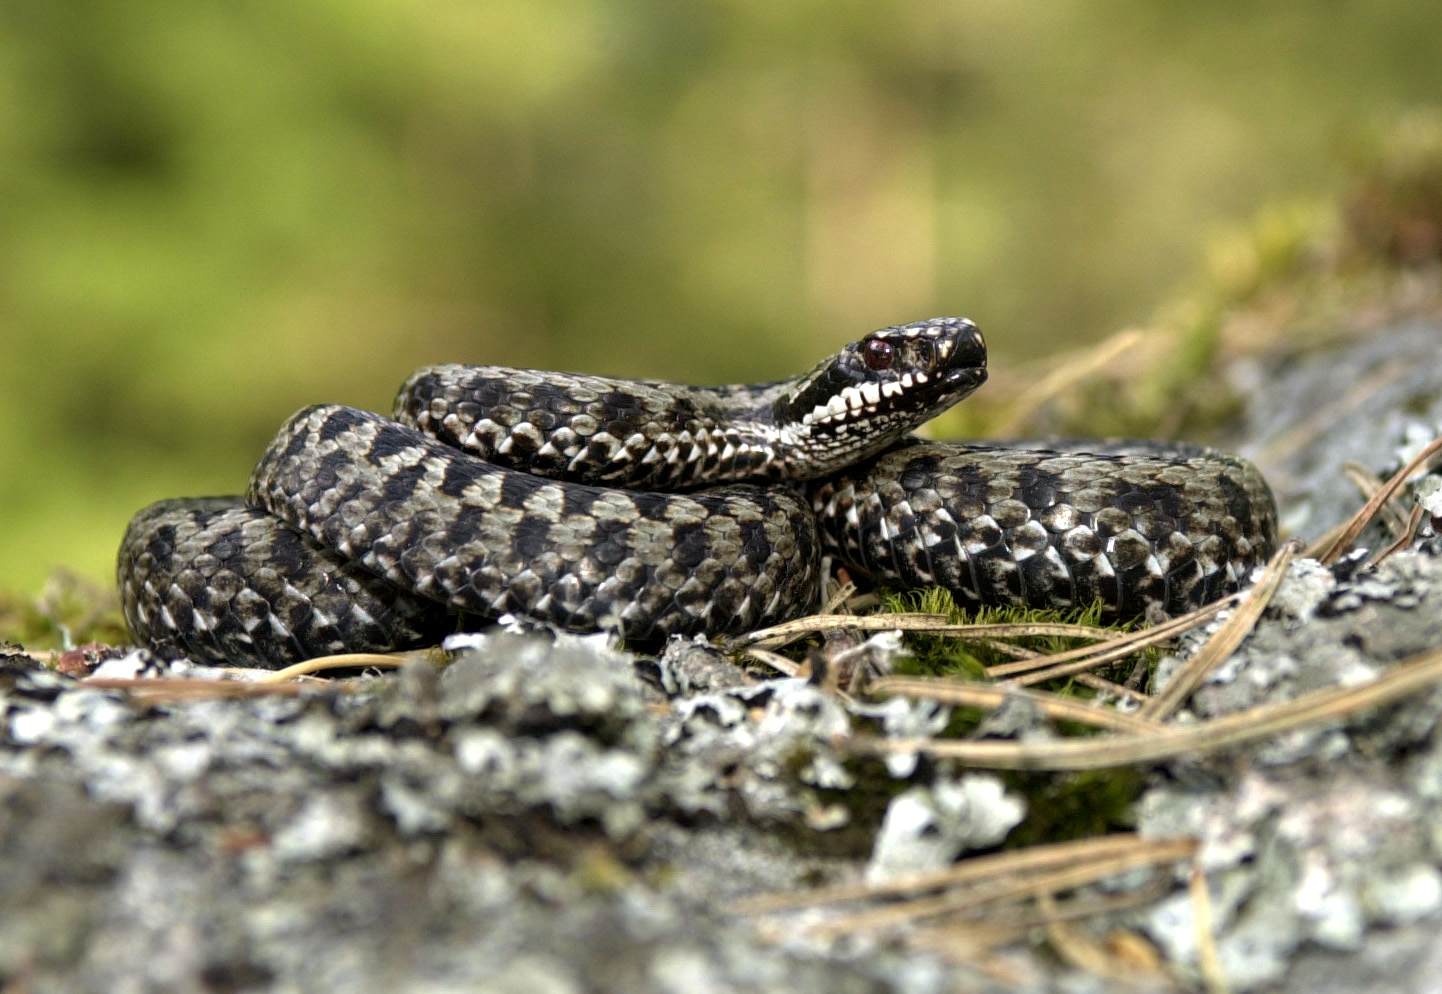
69	611
946	655
1074	805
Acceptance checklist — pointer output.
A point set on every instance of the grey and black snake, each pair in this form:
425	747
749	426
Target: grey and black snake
651	509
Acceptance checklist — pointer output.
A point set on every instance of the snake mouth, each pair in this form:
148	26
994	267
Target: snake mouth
964	381
890	381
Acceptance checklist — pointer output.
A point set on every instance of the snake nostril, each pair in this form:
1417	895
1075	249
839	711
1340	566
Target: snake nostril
927	354
973	347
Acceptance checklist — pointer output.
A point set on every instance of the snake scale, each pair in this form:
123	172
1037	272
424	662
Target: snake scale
652	509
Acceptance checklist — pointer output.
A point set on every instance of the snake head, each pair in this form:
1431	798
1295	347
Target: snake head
875	390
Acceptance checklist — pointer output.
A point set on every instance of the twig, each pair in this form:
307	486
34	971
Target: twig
988	695
1032	630
1088	657
774	660
838	597
1368	483
1209	961
1030	860
1408	536
1256	723
1224	640
975	899
779	635
1363	517
340	661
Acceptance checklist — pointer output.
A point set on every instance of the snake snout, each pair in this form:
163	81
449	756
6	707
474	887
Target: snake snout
967	350
957	359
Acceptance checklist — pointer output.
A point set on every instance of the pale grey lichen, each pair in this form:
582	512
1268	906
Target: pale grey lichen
1326	834
926	828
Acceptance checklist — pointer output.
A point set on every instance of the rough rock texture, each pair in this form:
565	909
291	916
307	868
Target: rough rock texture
1364	403
1317	840
550	815
527	819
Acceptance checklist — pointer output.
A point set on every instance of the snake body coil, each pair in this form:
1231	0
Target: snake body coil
599	504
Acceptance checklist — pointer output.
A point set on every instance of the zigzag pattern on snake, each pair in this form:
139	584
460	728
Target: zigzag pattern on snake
652	509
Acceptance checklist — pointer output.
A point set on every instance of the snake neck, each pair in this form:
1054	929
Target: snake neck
643	434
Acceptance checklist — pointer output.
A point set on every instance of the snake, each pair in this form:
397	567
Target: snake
649	509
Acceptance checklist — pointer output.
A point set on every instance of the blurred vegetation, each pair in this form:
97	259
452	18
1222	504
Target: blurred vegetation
213	214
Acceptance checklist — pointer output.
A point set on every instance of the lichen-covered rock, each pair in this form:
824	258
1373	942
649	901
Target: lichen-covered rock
927	828
1319	837
524	818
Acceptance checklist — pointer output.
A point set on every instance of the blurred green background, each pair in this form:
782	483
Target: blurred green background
212	214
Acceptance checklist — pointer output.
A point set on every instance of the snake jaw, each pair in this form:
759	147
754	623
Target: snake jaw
874	391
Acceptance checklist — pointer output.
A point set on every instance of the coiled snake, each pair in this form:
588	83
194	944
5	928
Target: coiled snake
652	509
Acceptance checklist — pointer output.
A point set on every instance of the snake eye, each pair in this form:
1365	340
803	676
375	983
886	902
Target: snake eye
878	354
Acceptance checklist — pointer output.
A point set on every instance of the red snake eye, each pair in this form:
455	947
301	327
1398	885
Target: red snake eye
878	354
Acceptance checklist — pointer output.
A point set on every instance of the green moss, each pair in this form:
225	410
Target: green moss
947	655
1059	806
69	611
1074	805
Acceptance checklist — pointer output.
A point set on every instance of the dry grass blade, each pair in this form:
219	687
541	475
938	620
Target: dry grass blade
1363	517
775	660
1080	949
1408	536
1007	649
1074	369
1368	483
344	661
160	690
976	938
974	944
1030	860
779	635
978	898
986	695
1209	960
933	624
1108	687
1031	630
1224	640
1405	679
840	596
1088	657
